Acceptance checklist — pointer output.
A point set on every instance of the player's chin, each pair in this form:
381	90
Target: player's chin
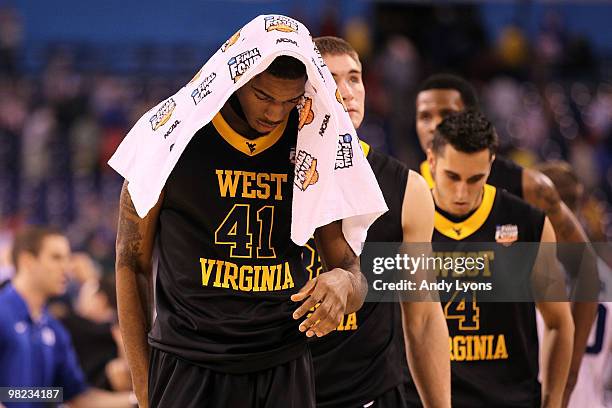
263	127
356	118
460	209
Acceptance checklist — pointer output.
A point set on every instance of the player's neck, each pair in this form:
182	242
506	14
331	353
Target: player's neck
34	299
240	125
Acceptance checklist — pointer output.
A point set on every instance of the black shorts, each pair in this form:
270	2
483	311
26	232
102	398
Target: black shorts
394	398
177	383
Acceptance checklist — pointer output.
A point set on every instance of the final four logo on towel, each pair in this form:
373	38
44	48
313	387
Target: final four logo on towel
281	23
306	113
340	99
231	41
306	173
344	155
163	114
239	64
203	90
506	234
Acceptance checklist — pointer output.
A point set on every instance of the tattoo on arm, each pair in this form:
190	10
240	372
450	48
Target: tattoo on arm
131	248
129	237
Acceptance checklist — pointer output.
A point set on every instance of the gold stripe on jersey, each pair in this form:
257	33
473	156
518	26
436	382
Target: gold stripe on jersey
426	173
462	230
365	147
250	147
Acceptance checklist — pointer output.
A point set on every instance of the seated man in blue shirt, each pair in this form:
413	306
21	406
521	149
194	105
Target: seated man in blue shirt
35	350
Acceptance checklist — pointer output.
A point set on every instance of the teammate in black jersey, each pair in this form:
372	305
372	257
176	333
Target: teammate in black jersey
442	94
363	362
494	345
227	332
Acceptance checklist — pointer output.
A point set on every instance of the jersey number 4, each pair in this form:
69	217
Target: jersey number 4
462	306
235	231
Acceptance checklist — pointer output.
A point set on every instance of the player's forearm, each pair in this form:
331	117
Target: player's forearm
134	312
335	252
359	291
557	351
583	314
429	361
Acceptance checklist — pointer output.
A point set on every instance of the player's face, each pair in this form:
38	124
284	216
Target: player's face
267	100
50	267
432	106
347	74
459	178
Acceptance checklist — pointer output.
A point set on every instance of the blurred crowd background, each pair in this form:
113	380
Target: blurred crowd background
74	78
68	98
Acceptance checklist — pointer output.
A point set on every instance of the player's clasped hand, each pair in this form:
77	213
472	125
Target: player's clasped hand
331	290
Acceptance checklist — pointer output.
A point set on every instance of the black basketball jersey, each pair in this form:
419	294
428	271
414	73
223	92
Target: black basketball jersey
227	265
493	345
363	358
505	174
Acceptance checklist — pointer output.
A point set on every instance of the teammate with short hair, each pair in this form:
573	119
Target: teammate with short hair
441	94
363	362
228	274
494	345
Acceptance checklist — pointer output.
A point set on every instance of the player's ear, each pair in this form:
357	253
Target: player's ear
431	159
492	157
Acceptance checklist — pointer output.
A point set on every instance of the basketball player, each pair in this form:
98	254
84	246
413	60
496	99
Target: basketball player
362	362
494	346
442	94
226	332
591	382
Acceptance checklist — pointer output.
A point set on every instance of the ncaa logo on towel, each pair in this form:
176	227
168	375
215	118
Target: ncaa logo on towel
506	234
163	114
306	113
202	91
324	124
306	173
231	41
239	64
344	154
281	23
318	69
319	57
286	40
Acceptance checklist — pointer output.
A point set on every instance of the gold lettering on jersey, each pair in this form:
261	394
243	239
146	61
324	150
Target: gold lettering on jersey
478	347
348	322
254	185
449	263
246	278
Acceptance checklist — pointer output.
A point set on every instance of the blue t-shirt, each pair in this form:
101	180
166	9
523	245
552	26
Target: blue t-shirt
35	354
